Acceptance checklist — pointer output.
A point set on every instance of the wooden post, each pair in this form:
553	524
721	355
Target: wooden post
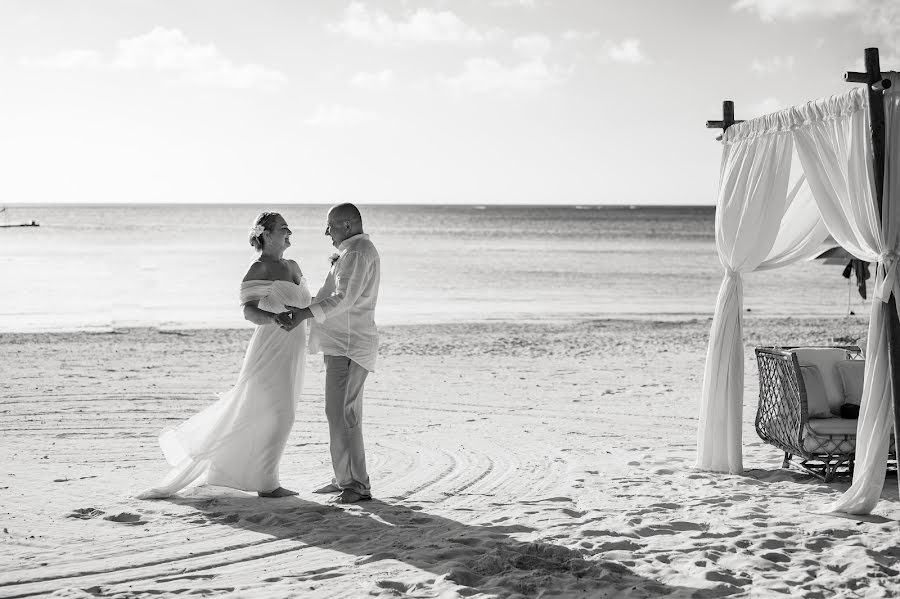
876	86
727	118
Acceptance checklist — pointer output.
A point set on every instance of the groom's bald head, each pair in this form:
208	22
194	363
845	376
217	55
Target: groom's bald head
346	212
344	221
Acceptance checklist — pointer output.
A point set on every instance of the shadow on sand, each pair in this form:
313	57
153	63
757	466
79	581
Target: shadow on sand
811	485
482	559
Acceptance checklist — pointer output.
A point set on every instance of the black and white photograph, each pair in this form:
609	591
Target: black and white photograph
449	299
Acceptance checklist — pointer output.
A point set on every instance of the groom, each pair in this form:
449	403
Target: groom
344	331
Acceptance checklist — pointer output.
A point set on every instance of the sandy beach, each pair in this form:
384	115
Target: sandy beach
507	460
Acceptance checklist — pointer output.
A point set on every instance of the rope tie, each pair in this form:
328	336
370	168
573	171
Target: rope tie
883	287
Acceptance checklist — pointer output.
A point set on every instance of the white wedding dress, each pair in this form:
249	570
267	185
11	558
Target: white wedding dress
238	441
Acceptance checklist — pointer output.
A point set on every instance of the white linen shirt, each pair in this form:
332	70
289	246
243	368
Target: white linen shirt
344	308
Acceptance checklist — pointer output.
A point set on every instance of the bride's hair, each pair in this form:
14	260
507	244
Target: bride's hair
263	222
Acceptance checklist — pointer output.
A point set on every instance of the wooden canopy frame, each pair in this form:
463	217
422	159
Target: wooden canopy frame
876	85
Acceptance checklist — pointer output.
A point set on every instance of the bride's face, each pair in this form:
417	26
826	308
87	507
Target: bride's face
279	238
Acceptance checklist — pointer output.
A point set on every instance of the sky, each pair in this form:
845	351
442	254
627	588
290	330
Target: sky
573	102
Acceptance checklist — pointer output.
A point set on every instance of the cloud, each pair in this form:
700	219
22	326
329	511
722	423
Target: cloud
486	75
373	81
170	51
882	18
628	51
772	10
879	19
535	45
339	116
776	63
423	26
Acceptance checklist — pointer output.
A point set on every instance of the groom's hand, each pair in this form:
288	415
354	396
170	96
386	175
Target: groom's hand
298	315
284	321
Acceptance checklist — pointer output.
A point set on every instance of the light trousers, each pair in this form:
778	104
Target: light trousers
344	382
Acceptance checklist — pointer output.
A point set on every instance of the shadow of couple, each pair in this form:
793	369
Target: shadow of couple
481	559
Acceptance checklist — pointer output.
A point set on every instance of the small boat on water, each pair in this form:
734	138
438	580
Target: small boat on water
31	224
7	224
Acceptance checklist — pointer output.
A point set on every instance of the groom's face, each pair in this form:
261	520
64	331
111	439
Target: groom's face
337	229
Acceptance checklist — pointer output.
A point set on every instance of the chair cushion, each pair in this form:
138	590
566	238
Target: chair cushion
816	401
830	436
825	358
834	426
851	373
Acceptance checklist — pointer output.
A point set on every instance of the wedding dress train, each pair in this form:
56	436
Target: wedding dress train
238	440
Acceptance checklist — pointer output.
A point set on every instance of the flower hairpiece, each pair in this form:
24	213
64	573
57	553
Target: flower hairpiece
256	231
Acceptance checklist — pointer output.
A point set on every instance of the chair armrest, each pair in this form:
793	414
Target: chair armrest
782	411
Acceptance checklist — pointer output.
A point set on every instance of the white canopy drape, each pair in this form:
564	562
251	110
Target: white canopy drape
832	141
752	200
876	416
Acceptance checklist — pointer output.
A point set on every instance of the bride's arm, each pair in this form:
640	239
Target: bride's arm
252	311
257	315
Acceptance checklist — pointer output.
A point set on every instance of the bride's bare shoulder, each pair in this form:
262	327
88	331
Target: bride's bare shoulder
296	273
258	271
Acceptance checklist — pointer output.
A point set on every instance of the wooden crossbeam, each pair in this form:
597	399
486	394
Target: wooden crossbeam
727	118
879	85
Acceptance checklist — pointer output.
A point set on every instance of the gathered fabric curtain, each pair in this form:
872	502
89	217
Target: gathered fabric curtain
876	416
753	190
754	209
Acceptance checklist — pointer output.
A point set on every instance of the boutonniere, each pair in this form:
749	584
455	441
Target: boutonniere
334	258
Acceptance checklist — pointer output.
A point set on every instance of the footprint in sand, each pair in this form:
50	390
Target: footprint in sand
667	529
224	518
666	506
623	545
590	532
727	578
375	557
392	585
819	543
86	513
771	544
775	557
126	518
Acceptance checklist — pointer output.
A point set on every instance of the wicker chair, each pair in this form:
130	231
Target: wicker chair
782	418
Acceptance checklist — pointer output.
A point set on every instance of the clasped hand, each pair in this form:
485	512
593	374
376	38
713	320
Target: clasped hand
289	319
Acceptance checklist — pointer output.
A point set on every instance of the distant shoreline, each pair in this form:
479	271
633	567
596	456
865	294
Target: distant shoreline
563	322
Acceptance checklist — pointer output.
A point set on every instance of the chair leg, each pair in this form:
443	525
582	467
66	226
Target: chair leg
829	472
787	460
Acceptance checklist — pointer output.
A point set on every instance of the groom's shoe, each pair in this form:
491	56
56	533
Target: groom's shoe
329	488
351	496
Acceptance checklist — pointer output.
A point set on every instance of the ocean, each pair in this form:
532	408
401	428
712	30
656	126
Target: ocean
102	267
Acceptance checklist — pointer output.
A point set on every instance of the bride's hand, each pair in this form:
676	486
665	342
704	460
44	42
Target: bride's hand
284	321
298	315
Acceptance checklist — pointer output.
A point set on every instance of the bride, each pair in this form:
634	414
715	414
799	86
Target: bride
238	441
